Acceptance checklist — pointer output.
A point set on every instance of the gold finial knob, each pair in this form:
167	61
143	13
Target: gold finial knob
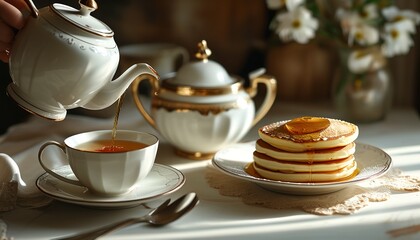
203	51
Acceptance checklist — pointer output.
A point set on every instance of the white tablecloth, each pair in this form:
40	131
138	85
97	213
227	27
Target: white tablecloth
218	216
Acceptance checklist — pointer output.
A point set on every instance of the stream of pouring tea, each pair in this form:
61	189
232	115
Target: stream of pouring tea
117	114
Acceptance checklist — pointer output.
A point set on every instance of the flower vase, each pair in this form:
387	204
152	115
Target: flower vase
363	93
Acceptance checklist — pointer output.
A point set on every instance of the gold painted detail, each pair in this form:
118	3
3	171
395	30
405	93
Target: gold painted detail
271	85
203	51
233	88
203	109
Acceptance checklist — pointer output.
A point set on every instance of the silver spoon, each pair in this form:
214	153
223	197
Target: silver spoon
162	215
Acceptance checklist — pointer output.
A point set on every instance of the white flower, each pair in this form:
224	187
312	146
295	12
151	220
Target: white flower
397	37
393	14
363	34
358	62
370	11
356	28
347	19
277	4
298	25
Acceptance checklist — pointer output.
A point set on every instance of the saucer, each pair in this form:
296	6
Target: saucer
161	181
372	163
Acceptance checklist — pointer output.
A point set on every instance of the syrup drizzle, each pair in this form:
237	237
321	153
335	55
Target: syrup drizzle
250	169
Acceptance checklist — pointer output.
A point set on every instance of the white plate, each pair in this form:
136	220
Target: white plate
161	181
372	163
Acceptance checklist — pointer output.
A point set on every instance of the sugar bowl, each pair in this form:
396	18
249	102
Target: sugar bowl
201	108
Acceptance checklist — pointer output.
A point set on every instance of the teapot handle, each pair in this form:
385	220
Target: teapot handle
134	90
32	8
271	84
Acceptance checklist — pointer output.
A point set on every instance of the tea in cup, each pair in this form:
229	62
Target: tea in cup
104	165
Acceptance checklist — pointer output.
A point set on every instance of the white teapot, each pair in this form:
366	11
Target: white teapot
64	58
202	108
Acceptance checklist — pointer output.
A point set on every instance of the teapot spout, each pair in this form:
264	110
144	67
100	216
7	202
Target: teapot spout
115	88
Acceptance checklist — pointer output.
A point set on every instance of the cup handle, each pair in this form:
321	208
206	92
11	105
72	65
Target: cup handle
50	171
270	82
136	96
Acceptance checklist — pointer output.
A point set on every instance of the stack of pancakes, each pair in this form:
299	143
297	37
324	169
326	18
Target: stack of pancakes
306	149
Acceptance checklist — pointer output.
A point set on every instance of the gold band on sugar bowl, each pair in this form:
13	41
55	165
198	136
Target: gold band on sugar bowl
186	91
203	109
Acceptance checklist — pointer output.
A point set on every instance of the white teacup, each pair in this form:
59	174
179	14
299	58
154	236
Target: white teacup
105	173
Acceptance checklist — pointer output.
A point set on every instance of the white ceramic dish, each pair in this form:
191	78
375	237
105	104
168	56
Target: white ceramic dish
161	181
372	163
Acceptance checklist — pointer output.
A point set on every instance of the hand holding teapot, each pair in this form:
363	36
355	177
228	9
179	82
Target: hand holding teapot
13	19
64	58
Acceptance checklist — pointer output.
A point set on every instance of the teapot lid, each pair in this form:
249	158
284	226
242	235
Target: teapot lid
202	73
82	18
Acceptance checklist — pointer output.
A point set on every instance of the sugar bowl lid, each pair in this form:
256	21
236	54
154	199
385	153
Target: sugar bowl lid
202	73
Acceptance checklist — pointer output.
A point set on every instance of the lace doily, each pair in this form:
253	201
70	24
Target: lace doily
346	201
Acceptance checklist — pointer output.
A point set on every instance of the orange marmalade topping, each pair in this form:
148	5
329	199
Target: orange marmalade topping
305	125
